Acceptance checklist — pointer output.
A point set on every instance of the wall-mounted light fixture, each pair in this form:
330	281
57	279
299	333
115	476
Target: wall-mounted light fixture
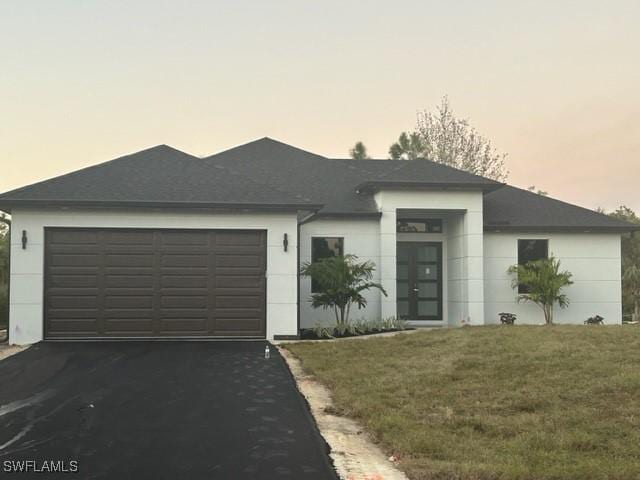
285	242
24	239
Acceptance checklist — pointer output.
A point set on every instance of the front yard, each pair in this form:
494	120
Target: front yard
482	403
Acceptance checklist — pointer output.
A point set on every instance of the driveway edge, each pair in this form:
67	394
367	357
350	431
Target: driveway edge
354	455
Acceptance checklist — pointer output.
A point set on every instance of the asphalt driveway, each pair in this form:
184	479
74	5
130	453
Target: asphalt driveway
215	410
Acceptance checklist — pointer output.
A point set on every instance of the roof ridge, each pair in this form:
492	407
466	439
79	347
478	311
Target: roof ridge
406	162
395	170
270	140
444	165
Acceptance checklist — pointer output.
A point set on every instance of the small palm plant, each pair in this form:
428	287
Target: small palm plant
631	283
543	282
341	281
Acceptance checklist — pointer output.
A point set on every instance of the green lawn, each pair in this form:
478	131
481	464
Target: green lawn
494	402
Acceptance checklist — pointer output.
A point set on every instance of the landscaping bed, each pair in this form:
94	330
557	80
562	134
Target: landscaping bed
482	403
313	334
355	328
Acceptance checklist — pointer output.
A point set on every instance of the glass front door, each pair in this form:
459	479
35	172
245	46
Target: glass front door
419	280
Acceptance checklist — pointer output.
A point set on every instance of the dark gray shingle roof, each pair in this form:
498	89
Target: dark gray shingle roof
159	175
269	174
332	182
511	208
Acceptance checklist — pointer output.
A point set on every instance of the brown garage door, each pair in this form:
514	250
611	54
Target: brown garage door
105	283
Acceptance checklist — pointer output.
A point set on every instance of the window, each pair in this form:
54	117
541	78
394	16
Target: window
430	225
324	247
529	251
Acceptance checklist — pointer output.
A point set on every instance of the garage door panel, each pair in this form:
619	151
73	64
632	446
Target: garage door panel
75	250
185	292
183	313
72	292
74	259
73	237
128	313
239	250
244	238
74	327
147	283
128	301
239	293
184	281
128	237
122	281
239	301
82	270
245	281
238	313
128	325
238	261
128	270
126	292
73	313
179	301
74	301
239	272
184	325
235	325
200	260
72	280
129	260
124	250
185	238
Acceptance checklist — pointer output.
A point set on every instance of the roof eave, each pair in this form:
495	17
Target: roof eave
377	185
560	228
8	204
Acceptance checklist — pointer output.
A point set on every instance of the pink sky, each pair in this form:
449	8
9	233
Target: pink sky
553	84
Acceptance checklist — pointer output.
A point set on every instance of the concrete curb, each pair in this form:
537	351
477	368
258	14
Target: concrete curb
354	455
360	337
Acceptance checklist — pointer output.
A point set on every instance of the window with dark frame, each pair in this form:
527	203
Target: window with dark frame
429	225
530	251
325	247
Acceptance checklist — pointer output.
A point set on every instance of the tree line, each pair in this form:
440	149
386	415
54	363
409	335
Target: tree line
442	137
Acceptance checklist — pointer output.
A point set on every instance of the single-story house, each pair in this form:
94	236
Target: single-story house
163	244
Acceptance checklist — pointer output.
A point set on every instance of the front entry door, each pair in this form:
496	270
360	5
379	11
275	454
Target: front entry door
419	280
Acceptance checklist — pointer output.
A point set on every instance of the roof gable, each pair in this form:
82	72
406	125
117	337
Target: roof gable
159	175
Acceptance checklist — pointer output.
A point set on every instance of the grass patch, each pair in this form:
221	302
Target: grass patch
483	403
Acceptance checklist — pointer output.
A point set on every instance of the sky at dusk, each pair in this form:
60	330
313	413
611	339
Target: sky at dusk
554	84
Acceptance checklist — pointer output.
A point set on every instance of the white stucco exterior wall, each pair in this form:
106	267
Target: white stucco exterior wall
465	265
27	276
361	238
593	259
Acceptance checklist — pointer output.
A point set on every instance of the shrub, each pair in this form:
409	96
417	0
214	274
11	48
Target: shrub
544	282
342	281
358	327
